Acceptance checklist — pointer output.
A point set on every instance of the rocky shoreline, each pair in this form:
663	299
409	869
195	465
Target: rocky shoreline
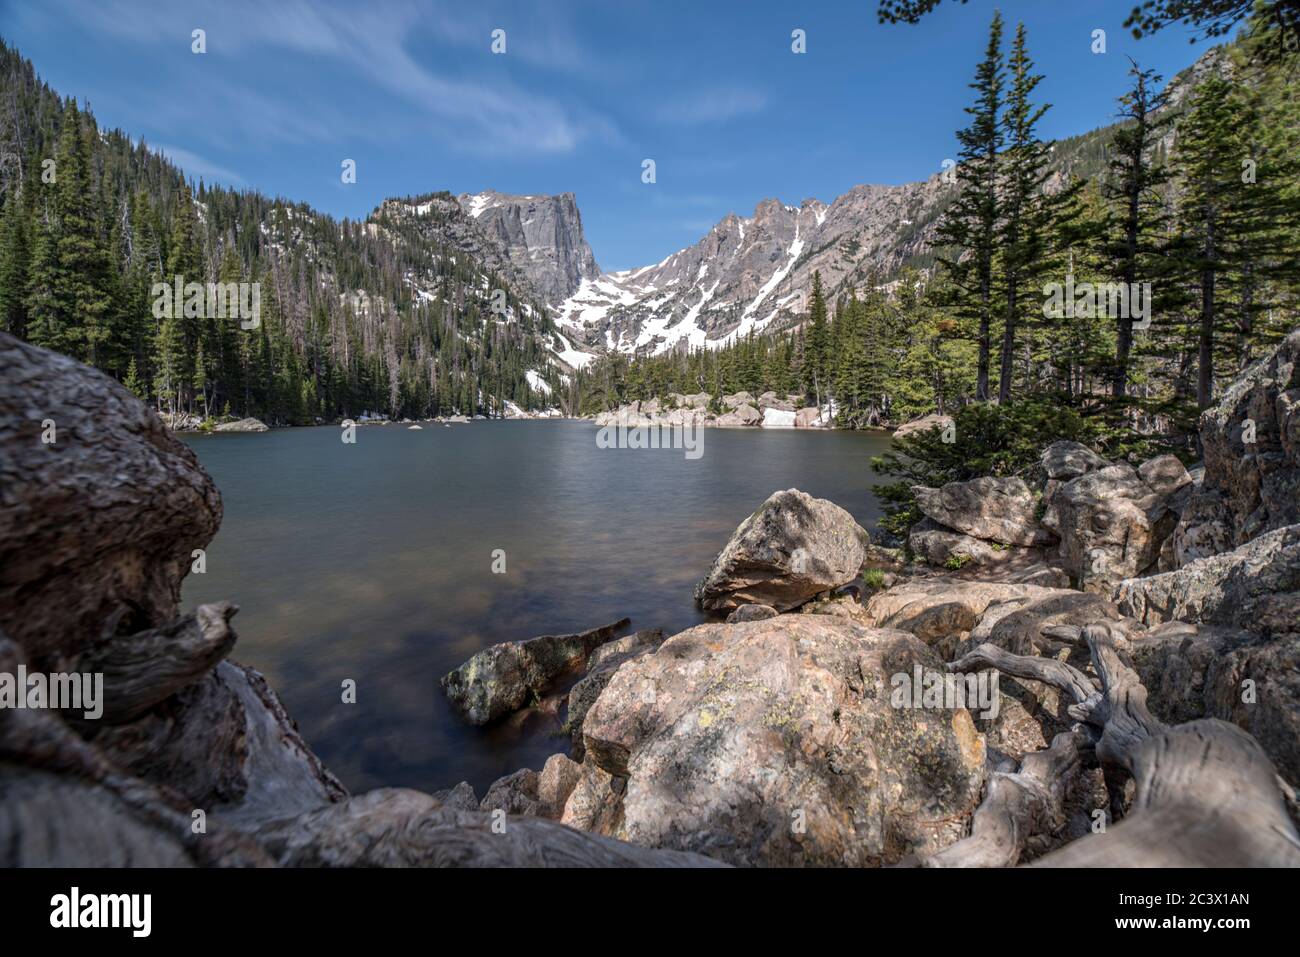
1144	622
737	410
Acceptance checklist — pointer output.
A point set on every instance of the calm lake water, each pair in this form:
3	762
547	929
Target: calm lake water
373	562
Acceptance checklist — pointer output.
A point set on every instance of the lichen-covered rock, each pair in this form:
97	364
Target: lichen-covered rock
754	612
1204	528
601	665
943	547
1112	524
503	678
992	509
1251	441
793	548
1065	460
1255	587
776	743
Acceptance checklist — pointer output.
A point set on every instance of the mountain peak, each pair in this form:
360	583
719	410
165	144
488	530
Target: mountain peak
541	234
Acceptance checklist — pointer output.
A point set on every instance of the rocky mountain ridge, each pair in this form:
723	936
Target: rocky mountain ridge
751	273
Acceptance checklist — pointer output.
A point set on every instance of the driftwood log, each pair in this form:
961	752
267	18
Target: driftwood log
1206	794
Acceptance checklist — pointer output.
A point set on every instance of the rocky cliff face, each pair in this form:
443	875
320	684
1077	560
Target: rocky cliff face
541	235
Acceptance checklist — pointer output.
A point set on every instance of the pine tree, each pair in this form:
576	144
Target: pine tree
14	257
1135	215
1229	227
185	259
1035	223
818	343
84	285
969	228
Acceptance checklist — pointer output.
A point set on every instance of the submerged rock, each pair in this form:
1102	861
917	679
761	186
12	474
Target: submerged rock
791	549
502	679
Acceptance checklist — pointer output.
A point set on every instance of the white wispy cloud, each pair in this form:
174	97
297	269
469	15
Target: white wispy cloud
198	167
712	106
371	41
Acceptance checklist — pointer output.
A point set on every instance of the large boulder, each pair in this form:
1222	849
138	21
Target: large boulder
242	425
1255	587
777	742
943	610
741	416
993	509
770	400
1251	442
1065	460
792	548
923	424
601	666
809	417
943	547
101	507
503	678
1112	523
738	399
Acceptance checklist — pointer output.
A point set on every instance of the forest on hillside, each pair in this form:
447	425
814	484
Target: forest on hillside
354	316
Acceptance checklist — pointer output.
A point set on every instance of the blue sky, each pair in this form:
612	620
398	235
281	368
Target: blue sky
584	92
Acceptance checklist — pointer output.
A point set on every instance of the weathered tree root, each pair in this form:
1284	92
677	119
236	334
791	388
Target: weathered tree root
41	741
1206	794
148	667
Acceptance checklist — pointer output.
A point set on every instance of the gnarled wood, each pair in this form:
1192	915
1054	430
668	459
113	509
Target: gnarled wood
148	667
1206	794
98	524
1017	806
1058	674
